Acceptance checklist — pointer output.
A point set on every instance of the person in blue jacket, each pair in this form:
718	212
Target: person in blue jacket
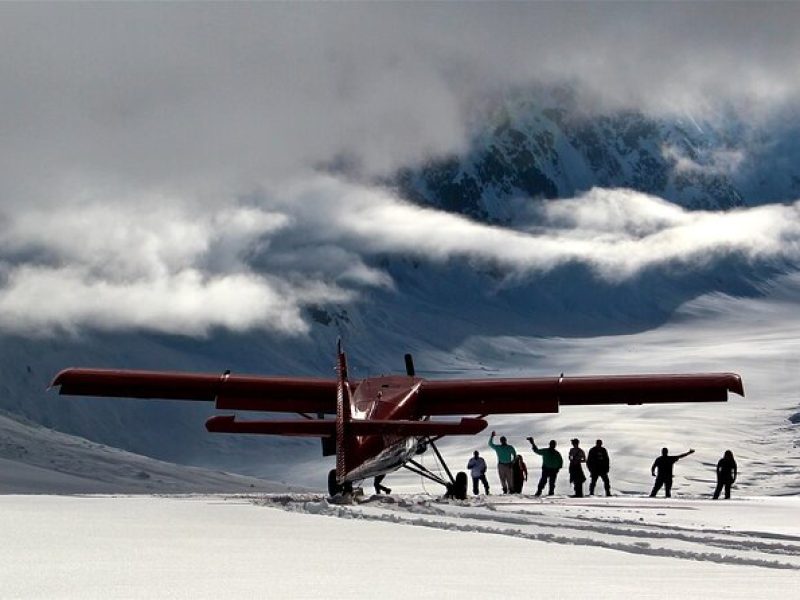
477	470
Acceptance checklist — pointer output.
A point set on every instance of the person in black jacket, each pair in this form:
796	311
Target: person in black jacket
576	476
726	474
598	464
664	464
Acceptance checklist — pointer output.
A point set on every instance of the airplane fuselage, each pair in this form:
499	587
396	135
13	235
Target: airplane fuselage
381	398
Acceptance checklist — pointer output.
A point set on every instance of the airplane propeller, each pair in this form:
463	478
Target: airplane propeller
409	365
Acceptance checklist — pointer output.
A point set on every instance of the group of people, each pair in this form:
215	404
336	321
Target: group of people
513	472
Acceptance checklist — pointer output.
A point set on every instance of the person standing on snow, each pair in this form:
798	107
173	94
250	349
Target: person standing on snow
599	465
576	459
520	474
726	474
505	462
477	470
664	464
551	463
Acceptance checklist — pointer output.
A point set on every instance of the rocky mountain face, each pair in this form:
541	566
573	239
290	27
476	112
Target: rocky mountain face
543	146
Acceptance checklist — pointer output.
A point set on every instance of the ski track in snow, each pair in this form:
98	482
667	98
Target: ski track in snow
559	521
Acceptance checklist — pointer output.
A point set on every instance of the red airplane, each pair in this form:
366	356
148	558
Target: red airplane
380	424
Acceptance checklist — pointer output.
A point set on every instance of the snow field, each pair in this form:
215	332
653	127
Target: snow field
235	547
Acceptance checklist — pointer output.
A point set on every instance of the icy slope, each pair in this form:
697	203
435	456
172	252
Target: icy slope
37	460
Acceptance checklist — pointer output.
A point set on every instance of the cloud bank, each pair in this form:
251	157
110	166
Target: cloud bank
154	264
317	241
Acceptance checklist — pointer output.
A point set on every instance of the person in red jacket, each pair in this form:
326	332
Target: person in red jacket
520	474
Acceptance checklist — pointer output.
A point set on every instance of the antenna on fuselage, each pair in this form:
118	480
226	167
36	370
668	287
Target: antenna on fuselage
409	365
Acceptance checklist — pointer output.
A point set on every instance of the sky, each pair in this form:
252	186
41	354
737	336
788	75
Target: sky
154	154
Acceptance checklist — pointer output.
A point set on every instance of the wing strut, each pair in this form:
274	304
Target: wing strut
456	488
441	460
423	471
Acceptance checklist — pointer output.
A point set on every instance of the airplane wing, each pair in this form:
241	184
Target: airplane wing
320	428
443	397
503	396
233	392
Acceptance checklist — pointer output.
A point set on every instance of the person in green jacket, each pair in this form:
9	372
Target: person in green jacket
505	462
551	463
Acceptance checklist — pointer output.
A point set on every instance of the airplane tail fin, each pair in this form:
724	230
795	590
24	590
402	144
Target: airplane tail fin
342	414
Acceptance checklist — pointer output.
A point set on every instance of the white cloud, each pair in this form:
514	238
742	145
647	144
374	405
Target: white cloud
44	300
155	264
173	268
135	236
718	162
617	232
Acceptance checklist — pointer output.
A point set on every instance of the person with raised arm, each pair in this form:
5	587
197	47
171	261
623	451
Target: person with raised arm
663	464
505	462
552	461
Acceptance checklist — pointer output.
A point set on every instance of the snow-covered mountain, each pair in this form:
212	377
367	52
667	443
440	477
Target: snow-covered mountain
543	145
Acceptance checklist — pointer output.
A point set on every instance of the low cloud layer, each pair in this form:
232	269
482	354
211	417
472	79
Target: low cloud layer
157	265
315	242
617	232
